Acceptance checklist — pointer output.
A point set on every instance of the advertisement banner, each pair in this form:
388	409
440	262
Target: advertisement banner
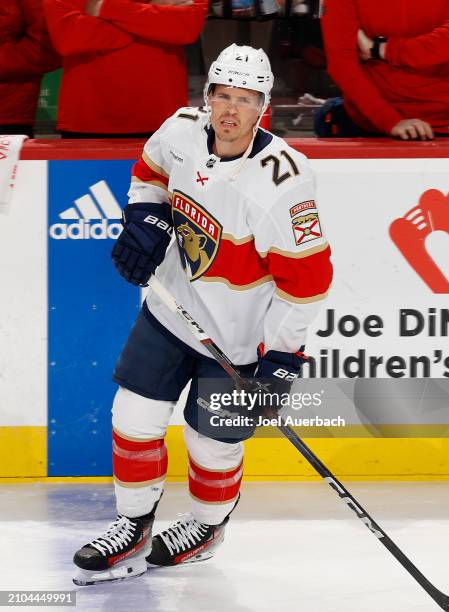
91	309
387	316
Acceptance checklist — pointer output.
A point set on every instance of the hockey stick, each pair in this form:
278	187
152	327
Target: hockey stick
438	596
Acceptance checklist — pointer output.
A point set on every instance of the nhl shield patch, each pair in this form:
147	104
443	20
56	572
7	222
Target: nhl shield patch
198	234
305	223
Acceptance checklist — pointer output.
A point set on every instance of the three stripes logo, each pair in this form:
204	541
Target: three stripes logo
90	217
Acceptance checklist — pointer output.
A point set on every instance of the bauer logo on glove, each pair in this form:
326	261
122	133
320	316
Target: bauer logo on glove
286	366
141	246
278	370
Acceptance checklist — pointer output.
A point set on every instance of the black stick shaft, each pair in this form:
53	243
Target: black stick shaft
438	596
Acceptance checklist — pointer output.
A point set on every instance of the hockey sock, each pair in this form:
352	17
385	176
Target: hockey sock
140	467
214	492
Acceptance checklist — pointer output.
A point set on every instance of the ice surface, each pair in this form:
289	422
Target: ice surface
288	547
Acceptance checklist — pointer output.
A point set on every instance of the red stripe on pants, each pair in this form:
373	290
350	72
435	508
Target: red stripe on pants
138	461
218	487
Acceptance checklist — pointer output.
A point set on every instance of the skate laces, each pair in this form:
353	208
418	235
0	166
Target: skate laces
118	535
183	533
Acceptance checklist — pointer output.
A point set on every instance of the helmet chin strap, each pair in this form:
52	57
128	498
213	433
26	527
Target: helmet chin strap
206	103
234	175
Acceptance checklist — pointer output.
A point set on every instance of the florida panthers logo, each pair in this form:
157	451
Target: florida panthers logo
305	227
198	235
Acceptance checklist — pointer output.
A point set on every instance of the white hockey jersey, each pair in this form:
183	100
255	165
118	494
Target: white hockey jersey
249	260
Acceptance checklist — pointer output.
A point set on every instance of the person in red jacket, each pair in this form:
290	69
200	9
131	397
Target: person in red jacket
390	58
26	55
124	68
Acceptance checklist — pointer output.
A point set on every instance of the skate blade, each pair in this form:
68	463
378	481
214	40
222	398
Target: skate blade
207	553
203	556
130	568
196	559
200	557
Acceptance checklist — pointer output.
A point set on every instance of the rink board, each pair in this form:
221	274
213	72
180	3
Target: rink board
67	313
23	455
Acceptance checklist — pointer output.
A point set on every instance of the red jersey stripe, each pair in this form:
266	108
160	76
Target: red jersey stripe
308	277
303	276
238	264
146	173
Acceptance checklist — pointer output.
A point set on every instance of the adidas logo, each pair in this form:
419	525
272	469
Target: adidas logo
100	206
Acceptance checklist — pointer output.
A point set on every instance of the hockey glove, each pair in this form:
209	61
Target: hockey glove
141	246
278	371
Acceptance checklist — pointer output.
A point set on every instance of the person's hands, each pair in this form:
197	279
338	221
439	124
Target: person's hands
407	129
277	370
364	43
93	7
140	248
412	129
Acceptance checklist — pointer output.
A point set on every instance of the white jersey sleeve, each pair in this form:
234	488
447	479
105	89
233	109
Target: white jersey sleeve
289	237
151	173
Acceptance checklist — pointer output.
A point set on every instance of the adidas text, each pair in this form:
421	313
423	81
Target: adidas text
82	230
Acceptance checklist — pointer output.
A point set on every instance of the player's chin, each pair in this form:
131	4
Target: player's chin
226	135
229	131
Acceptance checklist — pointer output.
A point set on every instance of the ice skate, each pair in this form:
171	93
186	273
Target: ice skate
116	555
186	541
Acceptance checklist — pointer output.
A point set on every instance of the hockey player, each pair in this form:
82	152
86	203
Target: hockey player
250	263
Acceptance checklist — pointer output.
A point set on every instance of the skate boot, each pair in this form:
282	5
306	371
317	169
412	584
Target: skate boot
118	554
186	541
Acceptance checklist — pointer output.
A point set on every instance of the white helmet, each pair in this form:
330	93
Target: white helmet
242	66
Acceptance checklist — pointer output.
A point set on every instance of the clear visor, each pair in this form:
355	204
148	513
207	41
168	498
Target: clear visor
250	101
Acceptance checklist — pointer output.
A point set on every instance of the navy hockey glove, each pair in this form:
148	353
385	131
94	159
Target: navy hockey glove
278	371
141	246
